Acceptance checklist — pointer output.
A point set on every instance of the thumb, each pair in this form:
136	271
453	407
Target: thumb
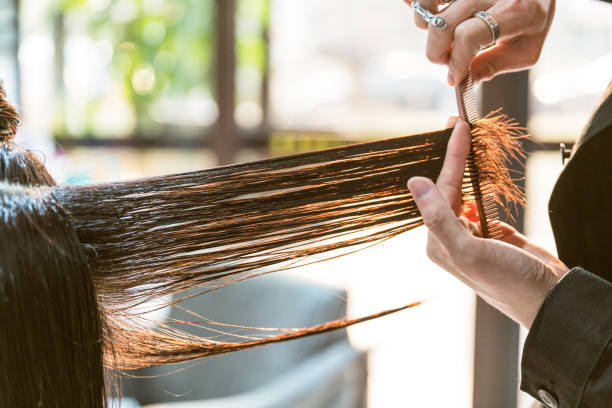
437	213
515	55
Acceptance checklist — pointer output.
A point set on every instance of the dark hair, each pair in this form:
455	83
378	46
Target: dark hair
51	331
17	164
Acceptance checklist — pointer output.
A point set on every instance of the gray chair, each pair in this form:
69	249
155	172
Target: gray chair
318	371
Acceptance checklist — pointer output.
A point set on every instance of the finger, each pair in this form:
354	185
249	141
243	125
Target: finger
451	122
520	17
431	5
470	36
472	227
511	235
439	42
437	215
470	211
513	18
508	56
451	177
515	238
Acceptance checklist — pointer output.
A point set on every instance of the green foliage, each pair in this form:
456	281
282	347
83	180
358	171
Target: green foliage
160	47
165	49
251	46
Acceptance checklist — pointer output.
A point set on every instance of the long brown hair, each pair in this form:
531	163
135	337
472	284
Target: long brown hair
153	237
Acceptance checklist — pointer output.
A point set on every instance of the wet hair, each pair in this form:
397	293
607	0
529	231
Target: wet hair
81	258
51	340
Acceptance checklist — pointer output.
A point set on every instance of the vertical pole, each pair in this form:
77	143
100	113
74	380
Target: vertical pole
225	137
497	336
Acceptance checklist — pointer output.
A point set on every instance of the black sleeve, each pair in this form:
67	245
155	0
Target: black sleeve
567	358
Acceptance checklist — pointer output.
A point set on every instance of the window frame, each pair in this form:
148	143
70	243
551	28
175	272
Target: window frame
224	137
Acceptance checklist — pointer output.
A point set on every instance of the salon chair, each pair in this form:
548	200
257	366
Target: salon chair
318	371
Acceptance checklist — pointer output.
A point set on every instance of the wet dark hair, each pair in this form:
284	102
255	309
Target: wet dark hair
80	258
51	340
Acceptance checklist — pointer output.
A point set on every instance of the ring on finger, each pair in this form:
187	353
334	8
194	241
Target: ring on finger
428	16
493	26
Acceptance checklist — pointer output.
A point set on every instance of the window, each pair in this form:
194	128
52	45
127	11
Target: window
574	69
145	64
353	67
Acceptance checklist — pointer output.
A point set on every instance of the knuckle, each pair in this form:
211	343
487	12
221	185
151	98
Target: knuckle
490	69
436	56
533	55
537	12
464	221
436	219
521	9
465	46
462	35
420	23
518	6
531	11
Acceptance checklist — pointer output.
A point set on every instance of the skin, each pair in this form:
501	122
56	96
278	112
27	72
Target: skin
523	26
512	274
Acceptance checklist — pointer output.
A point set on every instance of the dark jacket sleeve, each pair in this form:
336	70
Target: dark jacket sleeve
568	354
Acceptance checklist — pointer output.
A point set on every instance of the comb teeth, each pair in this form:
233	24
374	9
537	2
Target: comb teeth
484	198
466	99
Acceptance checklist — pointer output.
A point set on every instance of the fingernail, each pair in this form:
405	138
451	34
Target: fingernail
420	187
451	79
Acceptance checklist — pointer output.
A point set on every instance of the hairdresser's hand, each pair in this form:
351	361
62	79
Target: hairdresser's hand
512	274
523	26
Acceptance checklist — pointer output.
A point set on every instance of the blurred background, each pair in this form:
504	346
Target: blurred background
118	89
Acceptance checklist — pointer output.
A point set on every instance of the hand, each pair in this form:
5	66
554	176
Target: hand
523	26
512	274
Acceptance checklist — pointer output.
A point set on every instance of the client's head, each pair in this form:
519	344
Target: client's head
51	332
51	327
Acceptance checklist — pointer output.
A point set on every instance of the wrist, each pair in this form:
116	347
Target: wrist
540	291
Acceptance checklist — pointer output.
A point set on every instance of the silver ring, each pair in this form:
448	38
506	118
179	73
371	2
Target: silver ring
428	16
493	26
